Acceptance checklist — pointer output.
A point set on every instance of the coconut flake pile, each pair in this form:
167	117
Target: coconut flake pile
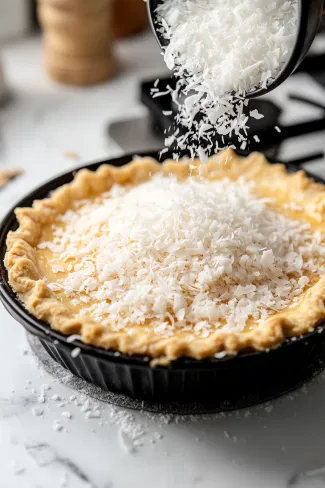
221	50
196	256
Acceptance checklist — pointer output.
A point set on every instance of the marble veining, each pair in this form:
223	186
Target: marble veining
303	476
15	405
44	455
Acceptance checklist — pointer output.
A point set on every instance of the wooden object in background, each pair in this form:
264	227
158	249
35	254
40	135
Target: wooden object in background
78	46
129	17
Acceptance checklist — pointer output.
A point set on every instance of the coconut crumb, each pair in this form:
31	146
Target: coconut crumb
72	155
8	174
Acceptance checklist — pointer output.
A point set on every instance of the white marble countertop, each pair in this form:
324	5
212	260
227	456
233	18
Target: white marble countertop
278	446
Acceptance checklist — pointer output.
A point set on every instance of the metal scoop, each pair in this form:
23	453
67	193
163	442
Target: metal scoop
309	18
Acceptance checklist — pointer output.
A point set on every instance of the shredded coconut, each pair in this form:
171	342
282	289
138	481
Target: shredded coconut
41	398
140	428
196	256
37	411
66	415
220	51
57	426
92	414
256	115
75	352
73	337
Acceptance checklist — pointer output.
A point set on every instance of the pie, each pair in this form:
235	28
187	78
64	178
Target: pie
176	259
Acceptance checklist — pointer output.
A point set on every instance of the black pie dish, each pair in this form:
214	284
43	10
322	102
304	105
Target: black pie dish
233	382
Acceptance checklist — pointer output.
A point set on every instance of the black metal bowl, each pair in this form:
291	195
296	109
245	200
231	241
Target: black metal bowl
248	378
309	20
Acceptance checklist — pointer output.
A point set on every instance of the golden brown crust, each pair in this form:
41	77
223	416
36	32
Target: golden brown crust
25	277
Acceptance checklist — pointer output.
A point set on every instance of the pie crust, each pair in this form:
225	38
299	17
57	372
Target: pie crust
271	179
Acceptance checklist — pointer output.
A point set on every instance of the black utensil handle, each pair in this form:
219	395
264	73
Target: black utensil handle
305	159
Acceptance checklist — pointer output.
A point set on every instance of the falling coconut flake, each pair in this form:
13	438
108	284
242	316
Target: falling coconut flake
75	352
220	51
256	115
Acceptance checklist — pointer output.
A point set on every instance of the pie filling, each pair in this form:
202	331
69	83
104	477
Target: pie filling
180	257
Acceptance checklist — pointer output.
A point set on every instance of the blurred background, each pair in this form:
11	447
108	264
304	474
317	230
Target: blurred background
71	76
80	81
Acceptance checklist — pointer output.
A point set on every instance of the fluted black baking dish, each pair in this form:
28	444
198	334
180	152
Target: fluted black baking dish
249	377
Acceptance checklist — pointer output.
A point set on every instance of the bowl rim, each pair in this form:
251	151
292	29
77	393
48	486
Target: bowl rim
308	21
44	331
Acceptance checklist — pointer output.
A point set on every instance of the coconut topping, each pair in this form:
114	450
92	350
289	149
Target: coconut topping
182	255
